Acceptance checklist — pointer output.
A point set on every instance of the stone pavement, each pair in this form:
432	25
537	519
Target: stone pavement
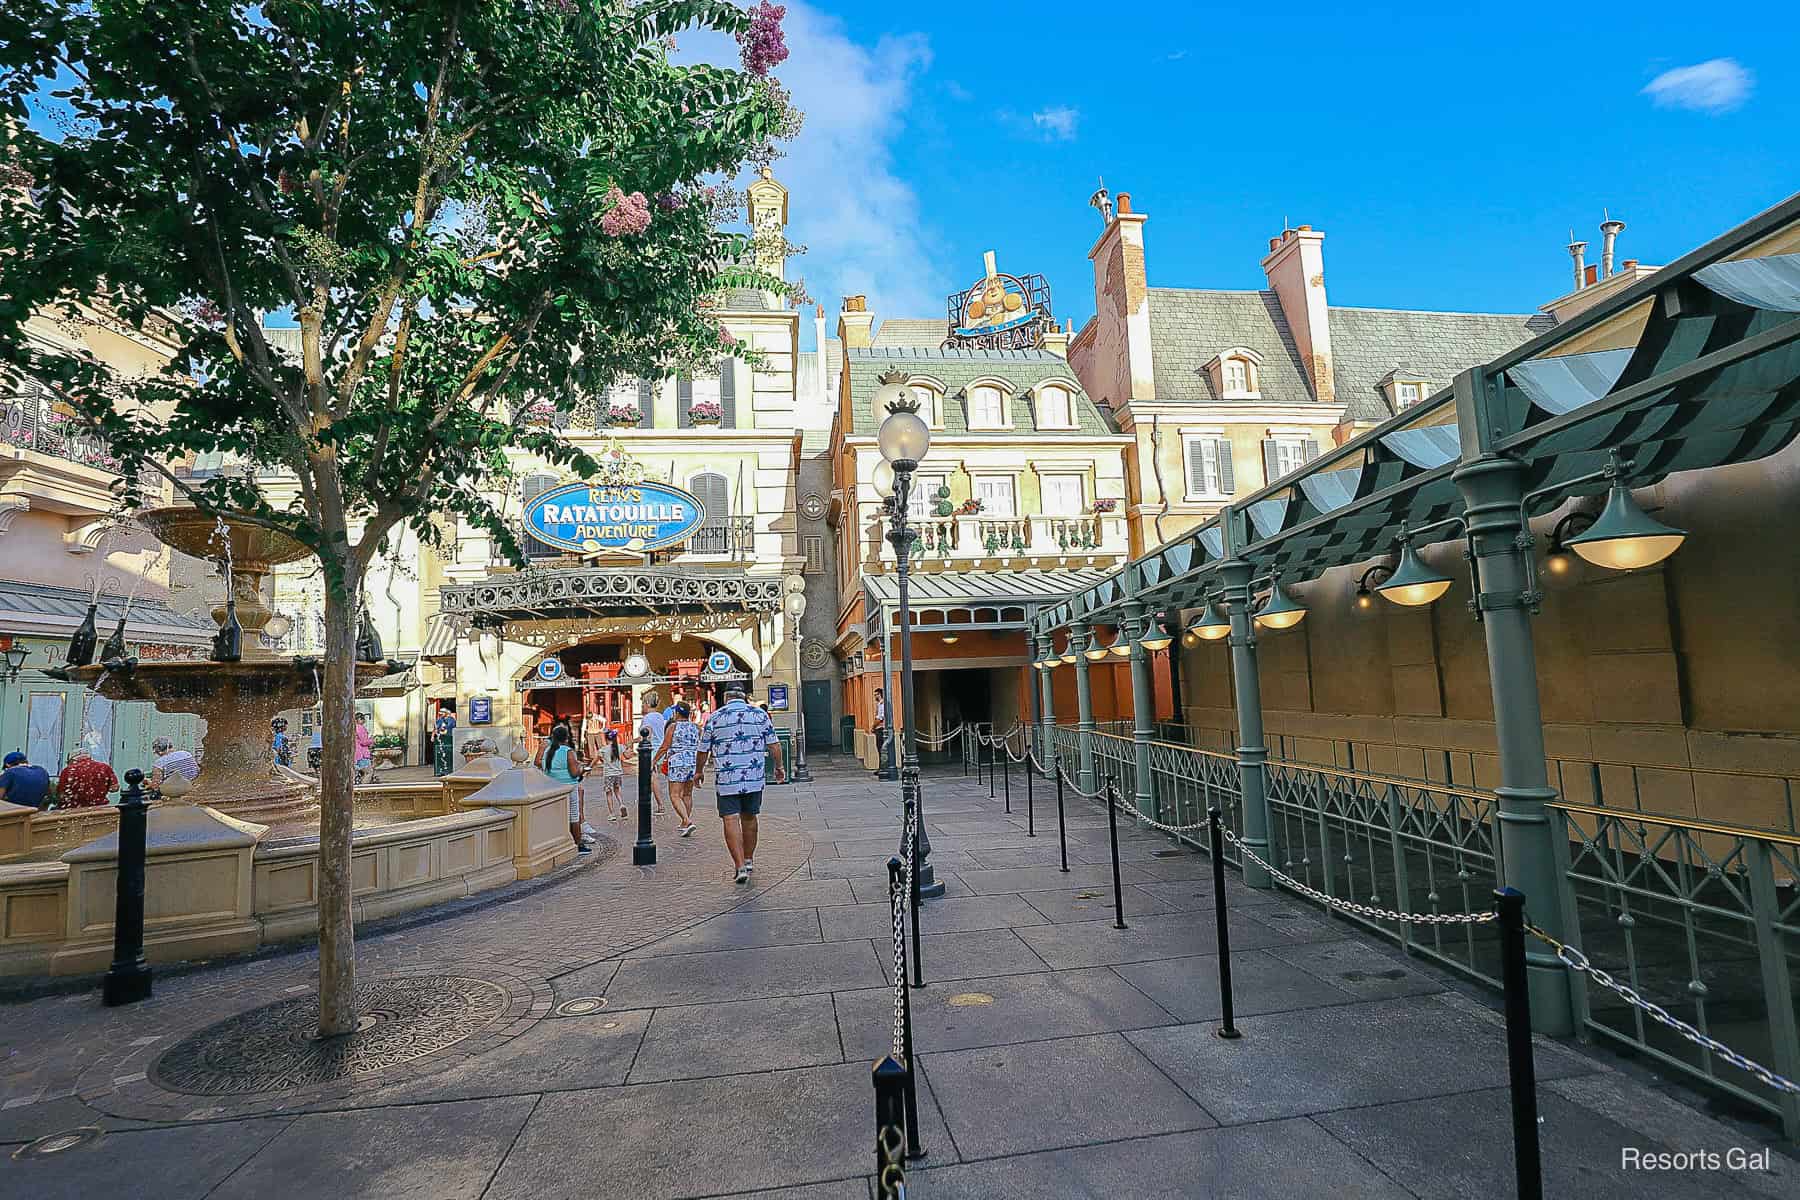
663	1033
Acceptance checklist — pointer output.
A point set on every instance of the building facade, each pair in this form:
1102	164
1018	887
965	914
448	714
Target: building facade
1222	392
1020	498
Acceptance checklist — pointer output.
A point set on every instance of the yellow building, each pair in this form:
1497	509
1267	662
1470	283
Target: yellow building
1020	499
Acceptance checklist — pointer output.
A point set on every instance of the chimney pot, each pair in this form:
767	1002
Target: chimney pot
1628	264
856	303
1593	275
1274	242
1610	229
1305	229
1124	203
818	310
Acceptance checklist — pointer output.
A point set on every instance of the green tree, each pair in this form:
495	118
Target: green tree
471	207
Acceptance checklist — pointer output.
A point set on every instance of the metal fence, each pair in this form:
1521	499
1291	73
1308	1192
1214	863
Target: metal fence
1701	918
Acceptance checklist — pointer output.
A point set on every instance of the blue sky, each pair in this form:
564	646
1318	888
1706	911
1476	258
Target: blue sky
1445	153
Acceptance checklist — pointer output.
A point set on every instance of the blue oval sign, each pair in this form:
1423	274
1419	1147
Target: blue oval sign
633	517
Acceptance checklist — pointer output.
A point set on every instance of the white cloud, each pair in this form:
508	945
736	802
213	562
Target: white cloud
1056	124
858	219
1715	86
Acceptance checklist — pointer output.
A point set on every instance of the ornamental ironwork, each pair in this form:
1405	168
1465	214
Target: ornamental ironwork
604	591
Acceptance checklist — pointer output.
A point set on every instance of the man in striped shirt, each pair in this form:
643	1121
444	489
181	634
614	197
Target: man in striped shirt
170	761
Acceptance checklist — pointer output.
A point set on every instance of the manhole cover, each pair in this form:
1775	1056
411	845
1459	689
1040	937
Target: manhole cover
276	1048
57	1143
581	1006
969	1000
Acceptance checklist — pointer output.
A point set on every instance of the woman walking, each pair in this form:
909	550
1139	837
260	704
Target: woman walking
680	748
560	764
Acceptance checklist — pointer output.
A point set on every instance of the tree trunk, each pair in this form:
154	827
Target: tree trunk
337	781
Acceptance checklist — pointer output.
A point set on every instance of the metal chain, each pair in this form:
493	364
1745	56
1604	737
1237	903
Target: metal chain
934	743
1361	910
890	1145
899	903
1133	809
1576	961
1076	787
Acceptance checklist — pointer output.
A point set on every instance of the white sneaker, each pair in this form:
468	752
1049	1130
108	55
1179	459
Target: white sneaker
749	866
688	830
743	875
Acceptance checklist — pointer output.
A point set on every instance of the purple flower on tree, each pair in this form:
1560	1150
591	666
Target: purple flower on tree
763	45
624	214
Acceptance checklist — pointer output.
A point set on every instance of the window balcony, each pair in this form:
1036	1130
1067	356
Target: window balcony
964	541
49	461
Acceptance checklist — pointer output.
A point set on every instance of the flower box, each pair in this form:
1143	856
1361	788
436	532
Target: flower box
623	415
706	412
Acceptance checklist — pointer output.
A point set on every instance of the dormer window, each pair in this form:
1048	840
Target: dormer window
1055	406
1403	388
987	406
1235	374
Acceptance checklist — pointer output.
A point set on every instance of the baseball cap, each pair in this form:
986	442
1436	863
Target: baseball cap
14	759
735	689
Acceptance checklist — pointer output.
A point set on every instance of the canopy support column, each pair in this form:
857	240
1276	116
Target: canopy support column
1252	750
1079	637
1138	620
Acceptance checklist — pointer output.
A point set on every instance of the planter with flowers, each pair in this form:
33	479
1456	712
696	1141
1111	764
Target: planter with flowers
706	412
387	749
623	415
540	412
970	507
1105	506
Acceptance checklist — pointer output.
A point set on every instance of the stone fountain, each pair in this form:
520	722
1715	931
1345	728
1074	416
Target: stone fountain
238	700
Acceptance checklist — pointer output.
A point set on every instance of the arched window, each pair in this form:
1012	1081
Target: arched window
530	489
1055	407
714	493
986	407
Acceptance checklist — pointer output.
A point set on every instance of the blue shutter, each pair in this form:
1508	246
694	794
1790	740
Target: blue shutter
646	404
1227	484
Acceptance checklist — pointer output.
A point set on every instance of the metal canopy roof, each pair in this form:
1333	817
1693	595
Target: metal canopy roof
1695	366
548	593
997	590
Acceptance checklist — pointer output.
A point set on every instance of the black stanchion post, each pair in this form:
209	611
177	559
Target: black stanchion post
1062	830
1006	776
991	748
1216	826
643	851
1520	1068
128	979
1112	830
889	1077
913	1148
918	955
1030	820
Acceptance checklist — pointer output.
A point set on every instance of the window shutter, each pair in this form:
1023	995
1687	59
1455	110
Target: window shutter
646	404
684	402
1196	468
1271	471
728	392
1312	449
715	494
529	490
1227	484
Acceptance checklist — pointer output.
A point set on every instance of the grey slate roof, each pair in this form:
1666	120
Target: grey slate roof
41	604
747	300
956	369
919	333
1368	343
1188	327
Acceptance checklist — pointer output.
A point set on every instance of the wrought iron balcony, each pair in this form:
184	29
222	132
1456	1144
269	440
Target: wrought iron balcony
964	540
31	421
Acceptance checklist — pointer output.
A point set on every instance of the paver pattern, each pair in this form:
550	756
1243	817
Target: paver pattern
662	1033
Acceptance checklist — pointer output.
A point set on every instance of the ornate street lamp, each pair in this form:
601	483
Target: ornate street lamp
904	438
1413	582
795	603
1212	624
15	663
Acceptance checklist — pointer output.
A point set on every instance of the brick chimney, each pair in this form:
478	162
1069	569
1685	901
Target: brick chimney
1114	365
855	323
1295	266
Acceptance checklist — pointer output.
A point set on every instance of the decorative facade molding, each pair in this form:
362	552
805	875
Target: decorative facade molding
10	508
602	591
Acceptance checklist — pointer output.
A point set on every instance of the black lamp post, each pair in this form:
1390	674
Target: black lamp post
904	437
795	603
128	979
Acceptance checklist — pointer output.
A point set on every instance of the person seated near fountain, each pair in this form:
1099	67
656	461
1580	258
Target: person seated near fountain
170	761
22	783
365	749
85	782
283	745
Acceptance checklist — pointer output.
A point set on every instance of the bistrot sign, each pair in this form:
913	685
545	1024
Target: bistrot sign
590	518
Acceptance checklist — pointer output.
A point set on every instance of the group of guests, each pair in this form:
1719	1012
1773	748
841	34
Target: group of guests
84	781
737	738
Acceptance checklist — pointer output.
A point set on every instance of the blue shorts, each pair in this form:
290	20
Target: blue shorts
747	804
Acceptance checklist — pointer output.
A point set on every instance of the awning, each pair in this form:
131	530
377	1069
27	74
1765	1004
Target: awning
45	611
441	637
994	599
397	684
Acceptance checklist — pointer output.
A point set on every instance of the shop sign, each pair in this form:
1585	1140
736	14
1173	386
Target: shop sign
550	669
1001	311
591	518
481	710
778	697
718	662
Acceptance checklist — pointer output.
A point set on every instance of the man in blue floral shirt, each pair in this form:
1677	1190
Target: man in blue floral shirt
736	739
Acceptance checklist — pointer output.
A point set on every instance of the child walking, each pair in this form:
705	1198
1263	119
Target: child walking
612	776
